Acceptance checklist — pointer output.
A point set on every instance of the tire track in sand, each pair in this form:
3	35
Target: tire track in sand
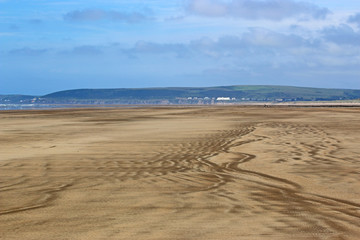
304	211
191	166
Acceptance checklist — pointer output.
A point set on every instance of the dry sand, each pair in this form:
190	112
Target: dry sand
180	173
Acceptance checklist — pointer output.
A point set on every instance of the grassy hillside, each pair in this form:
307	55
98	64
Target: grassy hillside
244	92
184	95
15	98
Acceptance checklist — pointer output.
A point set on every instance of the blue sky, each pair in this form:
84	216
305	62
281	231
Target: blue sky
46	46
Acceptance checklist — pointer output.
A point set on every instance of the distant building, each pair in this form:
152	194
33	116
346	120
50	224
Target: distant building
223	99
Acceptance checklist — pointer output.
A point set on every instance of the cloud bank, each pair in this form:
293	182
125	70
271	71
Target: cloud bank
342	34
254	40
99	14
26	51
355	19
275	10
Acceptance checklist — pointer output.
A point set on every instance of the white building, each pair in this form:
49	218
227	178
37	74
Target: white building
223	99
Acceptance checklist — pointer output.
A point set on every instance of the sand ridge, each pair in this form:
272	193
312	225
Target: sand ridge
180	173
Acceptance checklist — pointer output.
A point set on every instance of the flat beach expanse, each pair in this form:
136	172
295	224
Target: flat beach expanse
219	172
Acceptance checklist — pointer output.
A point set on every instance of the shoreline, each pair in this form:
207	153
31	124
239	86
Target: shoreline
16	107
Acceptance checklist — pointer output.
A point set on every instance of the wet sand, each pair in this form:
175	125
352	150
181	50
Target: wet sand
180	173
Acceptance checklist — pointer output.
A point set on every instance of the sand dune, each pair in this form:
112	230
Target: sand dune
180	173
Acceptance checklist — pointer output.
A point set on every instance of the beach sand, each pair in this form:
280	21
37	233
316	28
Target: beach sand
219	172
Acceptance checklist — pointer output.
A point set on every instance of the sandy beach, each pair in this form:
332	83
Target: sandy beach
219	172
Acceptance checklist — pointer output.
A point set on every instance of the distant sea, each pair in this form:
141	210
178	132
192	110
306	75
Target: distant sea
55	106
29	106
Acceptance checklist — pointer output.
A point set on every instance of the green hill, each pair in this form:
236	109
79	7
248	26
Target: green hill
186	95
237	93
15	98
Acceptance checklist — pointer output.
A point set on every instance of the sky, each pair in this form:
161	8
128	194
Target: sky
47	46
